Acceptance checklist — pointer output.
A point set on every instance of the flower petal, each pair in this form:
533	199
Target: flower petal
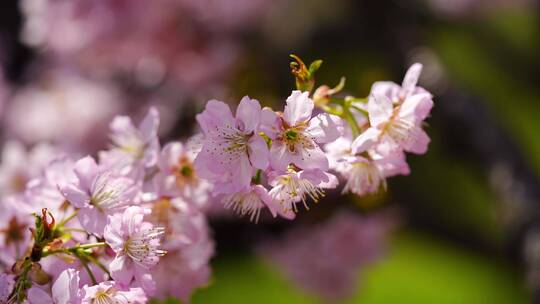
387	88
248	114
416	107
66	287
258	152
417	142
122	270
325	128
365	141
86	170
279	156
313	158
150	124
75	195
92	220
270	123
216	114
380	110
122	125
298	109
411	79
36	295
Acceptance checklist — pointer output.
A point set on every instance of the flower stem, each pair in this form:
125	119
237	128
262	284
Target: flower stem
22	283
98	264
345	113
69	218
85	265
352	123
73	249
257	178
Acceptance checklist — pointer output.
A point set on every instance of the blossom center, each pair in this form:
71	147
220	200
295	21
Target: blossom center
18	182
104	297
142	247
184	172
295	138
14	231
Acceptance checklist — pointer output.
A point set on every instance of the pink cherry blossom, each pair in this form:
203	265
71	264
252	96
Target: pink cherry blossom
295	134
177	175
133	148
364	169
65	290
396	114
111	292
292	187
97	193
400	127
137	246
397	93
232	148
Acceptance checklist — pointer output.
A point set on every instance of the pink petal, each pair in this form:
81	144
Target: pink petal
258	152
113	234
215	115
279	156
298	109
122	124
249	114
75	195
365	141
325	128
417	142
244	173
331	182
86	170
319	178
150	124
145	280
37	295
122	270
387	88
411	79
311	159
169	155
132	218
151	153
380	109
92	220
416	107
393	164
66	287
270	123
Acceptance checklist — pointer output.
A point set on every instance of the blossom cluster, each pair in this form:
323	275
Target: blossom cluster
261	158
131	223
101	226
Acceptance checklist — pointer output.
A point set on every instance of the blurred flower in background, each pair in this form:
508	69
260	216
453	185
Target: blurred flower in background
326	259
